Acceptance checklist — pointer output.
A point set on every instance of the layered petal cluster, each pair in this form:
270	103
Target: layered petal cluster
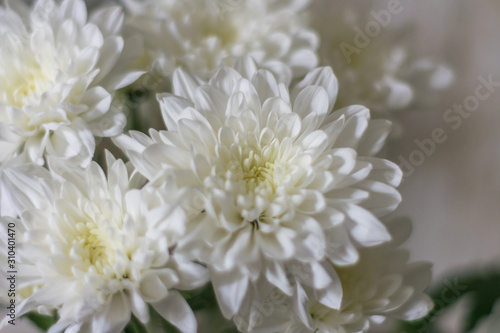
376	68
58	69
381	284
200	34
277	178
98	249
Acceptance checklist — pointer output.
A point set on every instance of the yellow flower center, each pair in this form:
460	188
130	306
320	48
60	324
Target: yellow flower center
254	178
98	249
25	84
258	173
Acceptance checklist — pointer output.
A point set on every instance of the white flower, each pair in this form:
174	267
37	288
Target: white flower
200	34
97	249
276	176
381	284
57	70
379	71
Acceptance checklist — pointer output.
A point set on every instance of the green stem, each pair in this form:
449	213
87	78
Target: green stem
135	326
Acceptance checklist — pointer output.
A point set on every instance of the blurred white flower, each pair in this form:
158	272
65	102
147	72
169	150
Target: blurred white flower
97	249
381	284
278	176
378	70
57	70
200	34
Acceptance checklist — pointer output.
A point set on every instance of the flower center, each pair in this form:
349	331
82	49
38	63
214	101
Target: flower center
254	178
224	30
24	84
97	247
258	174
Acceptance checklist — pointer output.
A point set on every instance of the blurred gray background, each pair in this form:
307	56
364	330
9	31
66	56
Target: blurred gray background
453	198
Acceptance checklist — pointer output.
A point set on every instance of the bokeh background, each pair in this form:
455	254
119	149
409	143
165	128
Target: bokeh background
453	198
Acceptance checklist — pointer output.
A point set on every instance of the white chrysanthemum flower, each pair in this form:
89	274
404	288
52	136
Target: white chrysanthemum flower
200	34
57	70
106	244
378	70
278	177
381	284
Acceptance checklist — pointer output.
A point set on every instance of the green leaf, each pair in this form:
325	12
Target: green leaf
204	303
485	293
135	326
41	321
159	324
482	287
202	298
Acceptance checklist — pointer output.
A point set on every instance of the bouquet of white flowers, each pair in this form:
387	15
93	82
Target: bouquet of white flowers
242	189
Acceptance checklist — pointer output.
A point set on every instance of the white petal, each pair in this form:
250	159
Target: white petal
175	309
400	93
415	308
418	275
301	306
230	289
365	227
226	79
99	102
353	131
191	275
311	100
185	84
172	108
210	99
340	249
75	10
375	137
139	307
109	20
331	296
301	61
384	171
121	81
110	53
382	199
319	77
152	288
246	66
275	274
266	85
115	315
